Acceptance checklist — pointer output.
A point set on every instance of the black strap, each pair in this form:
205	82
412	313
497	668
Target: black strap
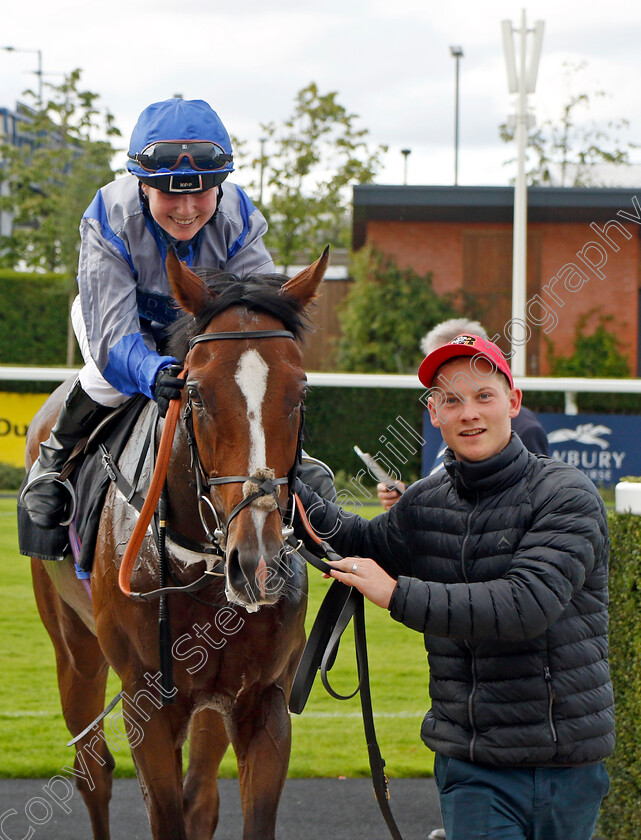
188	588
240	334
376	760
165	654
331	651
192	545
328	615
128	491
340	604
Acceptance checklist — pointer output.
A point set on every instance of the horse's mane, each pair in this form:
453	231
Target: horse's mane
256	292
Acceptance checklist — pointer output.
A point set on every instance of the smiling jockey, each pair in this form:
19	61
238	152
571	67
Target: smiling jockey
180	154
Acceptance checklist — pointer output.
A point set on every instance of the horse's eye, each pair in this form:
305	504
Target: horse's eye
193	394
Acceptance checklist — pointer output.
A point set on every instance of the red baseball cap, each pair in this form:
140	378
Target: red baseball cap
464	345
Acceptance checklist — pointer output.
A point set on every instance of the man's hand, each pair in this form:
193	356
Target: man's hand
168	387
388	498
367	576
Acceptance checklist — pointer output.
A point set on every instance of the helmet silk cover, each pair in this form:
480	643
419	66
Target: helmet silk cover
176	119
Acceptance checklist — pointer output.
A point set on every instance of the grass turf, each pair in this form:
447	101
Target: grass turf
328	737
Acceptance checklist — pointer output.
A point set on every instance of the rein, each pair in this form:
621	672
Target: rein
153	495
340	605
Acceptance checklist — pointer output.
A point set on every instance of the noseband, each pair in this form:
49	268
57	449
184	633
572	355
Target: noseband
265	485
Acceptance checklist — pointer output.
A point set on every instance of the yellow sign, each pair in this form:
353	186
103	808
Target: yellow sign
16	412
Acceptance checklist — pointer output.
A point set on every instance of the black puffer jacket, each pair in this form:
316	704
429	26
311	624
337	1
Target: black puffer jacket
502	565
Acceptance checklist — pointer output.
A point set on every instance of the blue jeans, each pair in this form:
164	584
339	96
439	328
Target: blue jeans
535	803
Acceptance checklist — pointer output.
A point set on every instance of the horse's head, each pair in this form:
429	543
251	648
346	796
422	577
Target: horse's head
243	399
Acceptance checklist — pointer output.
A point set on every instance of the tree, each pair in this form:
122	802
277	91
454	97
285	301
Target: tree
596	355
386	313
53	174
570	144
312	160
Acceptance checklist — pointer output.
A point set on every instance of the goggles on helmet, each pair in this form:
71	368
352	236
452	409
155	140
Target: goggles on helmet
203	155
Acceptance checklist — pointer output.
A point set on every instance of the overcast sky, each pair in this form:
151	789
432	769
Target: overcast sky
389	60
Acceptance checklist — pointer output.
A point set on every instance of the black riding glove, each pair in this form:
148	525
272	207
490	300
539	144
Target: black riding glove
167	387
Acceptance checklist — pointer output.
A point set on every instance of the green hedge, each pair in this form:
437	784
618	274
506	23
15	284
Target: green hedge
10	476
34	311
619	819
339	418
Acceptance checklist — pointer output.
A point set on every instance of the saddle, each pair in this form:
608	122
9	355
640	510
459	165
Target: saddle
90	469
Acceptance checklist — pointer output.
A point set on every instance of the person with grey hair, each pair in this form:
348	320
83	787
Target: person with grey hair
444	332
525	424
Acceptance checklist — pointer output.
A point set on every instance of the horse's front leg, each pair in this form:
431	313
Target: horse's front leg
261	737
156	736
208	741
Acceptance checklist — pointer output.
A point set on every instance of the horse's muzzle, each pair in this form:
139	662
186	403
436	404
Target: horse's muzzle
258	568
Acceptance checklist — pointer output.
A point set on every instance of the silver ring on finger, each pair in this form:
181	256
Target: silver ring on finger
354	568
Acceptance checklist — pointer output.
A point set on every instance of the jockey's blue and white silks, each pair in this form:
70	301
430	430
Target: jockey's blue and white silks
123	286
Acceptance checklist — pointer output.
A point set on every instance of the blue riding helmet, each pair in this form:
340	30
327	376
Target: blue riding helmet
180	146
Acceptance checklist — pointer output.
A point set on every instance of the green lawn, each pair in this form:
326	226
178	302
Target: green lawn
328	737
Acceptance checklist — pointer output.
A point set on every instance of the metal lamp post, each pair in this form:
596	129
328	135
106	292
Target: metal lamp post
406	153
38	72
457	54
263	140
522	82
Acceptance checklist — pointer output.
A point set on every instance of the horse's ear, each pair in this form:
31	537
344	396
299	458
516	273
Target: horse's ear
304	285
188	289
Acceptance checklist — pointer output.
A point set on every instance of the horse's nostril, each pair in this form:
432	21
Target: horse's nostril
234	571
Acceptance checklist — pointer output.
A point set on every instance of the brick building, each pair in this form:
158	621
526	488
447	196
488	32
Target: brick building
583	254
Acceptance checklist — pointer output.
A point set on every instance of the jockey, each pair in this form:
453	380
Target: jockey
180	154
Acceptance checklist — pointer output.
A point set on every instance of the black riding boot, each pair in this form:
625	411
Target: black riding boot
44	498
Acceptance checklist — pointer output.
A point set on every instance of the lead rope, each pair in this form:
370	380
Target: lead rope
341	603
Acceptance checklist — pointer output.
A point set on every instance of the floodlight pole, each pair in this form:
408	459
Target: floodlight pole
37	72
519	254
406	153
457	55
523	82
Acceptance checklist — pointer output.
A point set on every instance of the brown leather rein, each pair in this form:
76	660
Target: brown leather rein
153	495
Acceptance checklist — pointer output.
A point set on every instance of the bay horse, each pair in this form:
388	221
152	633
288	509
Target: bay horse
237	643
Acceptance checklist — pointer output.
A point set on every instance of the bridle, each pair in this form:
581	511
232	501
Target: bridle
266	485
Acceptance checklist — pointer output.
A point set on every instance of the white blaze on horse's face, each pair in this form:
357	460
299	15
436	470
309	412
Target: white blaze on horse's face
251	378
